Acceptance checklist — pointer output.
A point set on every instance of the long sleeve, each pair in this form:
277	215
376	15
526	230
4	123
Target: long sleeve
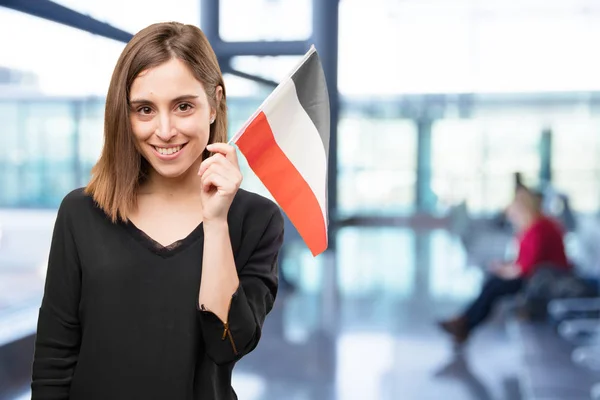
256	262
531	252
58	331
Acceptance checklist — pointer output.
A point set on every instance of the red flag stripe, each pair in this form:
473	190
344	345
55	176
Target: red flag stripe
284	182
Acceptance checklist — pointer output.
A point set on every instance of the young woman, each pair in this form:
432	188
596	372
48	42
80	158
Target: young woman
161	271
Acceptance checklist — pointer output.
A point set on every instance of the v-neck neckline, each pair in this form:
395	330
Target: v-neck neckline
164	251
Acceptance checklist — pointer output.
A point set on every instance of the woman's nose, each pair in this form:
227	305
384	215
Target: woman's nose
165	129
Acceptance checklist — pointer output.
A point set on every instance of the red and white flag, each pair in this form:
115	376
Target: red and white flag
286	143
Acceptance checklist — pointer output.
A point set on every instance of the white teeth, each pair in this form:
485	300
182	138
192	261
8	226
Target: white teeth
168	150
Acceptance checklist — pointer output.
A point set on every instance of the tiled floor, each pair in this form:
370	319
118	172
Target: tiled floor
362	326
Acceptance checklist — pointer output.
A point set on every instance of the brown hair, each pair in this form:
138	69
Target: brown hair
121	168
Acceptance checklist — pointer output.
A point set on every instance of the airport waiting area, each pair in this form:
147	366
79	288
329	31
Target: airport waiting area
463	188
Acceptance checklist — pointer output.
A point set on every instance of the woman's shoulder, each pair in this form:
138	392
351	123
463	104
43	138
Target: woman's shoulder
77	196
77	201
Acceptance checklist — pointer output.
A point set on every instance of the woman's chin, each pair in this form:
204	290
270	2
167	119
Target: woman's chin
172	171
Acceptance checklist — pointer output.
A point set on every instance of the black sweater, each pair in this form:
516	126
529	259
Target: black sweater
119	317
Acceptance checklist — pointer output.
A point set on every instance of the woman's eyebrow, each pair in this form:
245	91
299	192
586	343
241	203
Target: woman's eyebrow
175	100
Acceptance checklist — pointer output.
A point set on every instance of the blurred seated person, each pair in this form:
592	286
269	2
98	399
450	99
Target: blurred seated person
540	243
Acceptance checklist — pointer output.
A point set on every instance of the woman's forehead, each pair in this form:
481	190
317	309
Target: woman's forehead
169	80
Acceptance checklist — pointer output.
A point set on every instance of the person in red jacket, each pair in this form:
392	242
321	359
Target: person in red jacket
540	241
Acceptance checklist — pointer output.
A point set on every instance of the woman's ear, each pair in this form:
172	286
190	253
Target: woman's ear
219	97
219	94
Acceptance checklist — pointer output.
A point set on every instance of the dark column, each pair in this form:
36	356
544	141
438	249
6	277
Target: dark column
210	25
209	20
424	196
546	157
422	292
63	15
325	39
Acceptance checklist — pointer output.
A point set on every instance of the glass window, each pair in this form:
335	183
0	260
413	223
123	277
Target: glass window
90	136
462	46
457	157
431	51
56	60
575	161
511	145
273	68
256	20
133	15
237	87
377	166
40	168
476	159
12	160
48	143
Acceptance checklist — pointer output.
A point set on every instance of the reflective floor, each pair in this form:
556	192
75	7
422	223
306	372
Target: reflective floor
361	324
375	337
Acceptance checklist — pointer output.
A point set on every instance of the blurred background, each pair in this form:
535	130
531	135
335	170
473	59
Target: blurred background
436	105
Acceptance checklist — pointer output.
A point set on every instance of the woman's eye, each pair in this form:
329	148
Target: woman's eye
145	110
184	107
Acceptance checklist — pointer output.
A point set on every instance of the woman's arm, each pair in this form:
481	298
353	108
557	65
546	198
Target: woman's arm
58	331
531	252
219	275
235	294
507	271
232	317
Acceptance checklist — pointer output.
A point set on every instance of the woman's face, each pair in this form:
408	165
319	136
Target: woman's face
516	214
170	117
521	210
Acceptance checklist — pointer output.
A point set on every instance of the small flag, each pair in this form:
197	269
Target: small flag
286	143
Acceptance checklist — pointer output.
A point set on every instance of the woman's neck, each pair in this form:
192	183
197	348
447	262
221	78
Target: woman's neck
182	187
530	220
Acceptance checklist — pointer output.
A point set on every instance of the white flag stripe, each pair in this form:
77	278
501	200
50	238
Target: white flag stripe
299	139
